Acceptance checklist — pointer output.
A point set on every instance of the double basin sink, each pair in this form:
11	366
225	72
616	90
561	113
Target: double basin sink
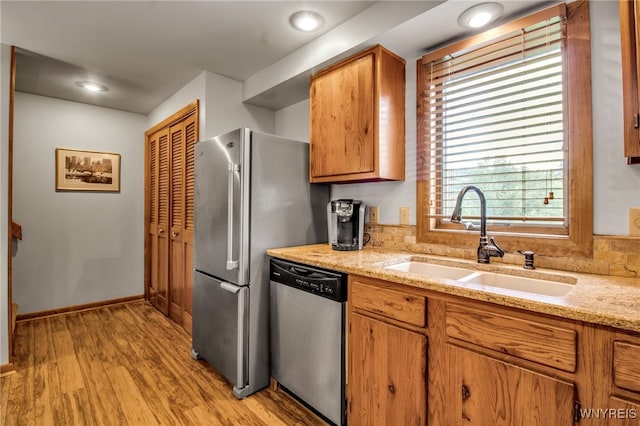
545	287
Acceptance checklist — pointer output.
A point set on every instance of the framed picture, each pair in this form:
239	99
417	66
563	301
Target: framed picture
87	171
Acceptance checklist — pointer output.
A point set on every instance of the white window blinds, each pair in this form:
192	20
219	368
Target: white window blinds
494	119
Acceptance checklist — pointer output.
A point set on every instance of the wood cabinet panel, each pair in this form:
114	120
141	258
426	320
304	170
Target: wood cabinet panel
530	340
342	117
485	391
400	306
357	130
621	413
487	364
630	38
387	371
626	365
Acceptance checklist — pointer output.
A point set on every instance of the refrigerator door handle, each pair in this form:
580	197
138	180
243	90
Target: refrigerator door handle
232	169
229	287
240	387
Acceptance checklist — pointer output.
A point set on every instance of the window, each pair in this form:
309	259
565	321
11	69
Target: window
509	111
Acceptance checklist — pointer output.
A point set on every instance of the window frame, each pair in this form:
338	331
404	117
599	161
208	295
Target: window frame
578	241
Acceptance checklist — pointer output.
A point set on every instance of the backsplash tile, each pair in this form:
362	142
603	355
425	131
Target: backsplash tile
612	255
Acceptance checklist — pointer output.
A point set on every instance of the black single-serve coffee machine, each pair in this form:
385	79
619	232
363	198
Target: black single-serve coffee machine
346	219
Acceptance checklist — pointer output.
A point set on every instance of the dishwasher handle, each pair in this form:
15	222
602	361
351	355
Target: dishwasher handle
281	268
329	284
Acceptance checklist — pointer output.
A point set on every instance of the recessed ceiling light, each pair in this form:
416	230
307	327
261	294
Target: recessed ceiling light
306	20
480	15
92	86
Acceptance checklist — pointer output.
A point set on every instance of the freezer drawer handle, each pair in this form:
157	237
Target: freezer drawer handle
229	287
232	169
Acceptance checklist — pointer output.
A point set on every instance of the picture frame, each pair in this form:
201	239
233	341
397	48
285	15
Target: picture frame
78	170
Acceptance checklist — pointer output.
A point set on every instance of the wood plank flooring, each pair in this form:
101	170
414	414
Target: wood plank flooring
125	365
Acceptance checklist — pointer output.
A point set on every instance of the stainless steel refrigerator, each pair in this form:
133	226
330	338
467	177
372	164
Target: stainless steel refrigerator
252	192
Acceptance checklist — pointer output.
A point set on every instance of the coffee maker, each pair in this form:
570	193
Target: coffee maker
346	218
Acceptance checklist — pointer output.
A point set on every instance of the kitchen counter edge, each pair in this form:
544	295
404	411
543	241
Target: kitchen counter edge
598	299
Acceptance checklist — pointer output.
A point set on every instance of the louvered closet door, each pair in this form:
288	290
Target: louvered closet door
182	140
159	219
191	137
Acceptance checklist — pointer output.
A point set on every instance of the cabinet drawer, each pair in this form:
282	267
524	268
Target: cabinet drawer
626	365
398	305
530	340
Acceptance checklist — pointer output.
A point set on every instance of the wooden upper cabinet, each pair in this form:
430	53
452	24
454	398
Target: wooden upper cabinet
358	119
629	38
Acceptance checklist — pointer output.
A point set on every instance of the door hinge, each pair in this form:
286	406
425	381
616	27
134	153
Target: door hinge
636	121
576	411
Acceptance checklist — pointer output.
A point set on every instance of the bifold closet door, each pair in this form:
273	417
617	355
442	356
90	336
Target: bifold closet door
159	219
182	137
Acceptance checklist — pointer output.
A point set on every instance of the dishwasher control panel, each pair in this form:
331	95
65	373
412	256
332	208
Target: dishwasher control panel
323	282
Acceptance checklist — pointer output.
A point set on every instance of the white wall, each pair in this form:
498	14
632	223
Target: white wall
195	89
77	247
293	121
5	71
616	185
226	112
221	107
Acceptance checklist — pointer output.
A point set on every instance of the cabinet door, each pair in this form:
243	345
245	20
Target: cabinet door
387	374
159	219
620	413
630	38
485	391
342	120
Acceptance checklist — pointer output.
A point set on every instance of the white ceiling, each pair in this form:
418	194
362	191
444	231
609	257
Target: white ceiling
144	51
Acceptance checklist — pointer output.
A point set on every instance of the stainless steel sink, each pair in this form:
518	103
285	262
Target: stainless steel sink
524	284
431	270
546	287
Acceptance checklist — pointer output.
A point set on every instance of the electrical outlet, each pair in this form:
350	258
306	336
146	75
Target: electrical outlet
405	215
634	222
373	215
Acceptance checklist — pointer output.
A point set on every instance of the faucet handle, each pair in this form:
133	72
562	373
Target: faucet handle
528	259
495	249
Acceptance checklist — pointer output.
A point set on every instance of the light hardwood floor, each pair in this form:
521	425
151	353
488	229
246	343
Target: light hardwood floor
125	365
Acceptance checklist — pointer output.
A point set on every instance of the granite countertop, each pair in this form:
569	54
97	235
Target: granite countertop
598	299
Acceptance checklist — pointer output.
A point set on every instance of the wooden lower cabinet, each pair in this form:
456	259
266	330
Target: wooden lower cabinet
620	412
387	371
486	391
485	364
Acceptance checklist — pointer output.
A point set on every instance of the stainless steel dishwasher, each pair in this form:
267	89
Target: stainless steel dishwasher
308	307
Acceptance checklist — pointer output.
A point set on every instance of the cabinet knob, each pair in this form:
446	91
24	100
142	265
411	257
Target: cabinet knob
174	234
161	231
465	392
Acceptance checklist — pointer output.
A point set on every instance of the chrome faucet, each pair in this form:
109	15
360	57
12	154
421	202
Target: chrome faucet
487	247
